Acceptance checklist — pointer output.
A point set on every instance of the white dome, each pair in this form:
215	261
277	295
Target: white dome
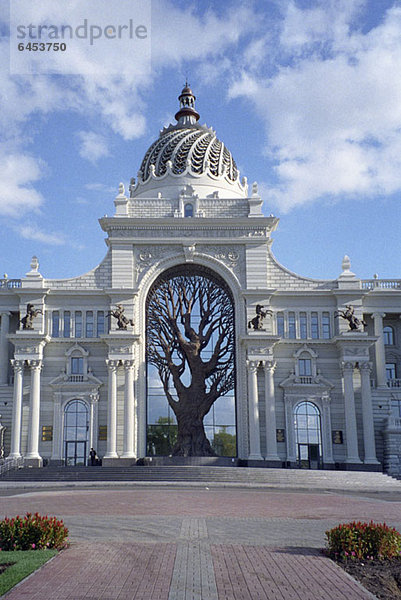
188	154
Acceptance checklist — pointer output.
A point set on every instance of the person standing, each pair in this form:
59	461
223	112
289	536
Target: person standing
92	455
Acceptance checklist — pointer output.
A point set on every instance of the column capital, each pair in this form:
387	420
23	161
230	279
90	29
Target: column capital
5	313
365	366
252	365
94	397
18	365
112	364
347	366
269	365
35	364
128	364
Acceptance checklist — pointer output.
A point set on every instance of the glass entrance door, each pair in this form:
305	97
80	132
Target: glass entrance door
75	454
308	456
76	430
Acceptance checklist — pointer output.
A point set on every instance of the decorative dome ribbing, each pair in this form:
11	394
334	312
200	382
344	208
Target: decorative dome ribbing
193	149
188	148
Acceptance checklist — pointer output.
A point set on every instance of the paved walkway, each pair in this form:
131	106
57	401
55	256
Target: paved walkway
195	544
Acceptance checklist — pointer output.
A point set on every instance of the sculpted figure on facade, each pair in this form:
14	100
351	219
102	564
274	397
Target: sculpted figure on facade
31	313
355	324
122	320
257	321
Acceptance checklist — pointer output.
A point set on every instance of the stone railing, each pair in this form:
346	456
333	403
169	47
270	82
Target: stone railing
10	464
381	284
8	284
394	383
305	379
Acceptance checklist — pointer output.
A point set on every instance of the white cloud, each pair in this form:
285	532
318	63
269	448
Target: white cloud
32	232
332	116
100	187
93	146
18	173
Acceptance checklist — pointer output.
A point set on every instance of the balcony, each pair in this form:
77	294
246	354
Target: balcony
394	383
9	284
381	284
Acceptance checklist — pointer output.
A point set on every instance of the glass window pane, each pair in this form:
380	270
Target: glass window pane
314	326
100	322
55	323
78	324
89	323
280	324
67	323
303	326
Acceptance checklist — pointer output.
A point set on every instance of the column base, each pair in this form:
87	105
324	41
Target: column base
353	461
33	461
255	457
371	461
110	461
273	457
128	455
13	456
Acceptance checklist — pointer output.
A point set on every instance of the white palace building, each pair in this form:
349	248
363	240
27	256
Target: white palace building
310	392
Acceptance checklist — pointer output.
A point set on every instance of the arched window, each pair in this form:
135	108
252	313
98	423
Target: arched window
388	333
76	428
308	435
188	210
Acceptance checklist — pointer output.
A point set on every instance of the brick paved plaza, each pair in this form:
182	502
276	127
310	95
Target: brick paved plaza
143	543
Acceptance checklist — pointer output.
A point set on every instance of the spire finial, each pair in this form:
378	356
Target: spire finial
187	115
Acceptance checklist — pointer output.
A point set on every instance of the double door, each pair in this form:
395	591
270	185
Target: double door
75	453
309	456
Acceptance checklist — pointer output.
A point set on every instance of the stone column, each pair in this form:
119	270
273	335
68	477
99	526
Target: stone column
367	416
326	430
129	417
57	445
5	328
270	406
112	410
290	429
34	412
253	411
15	450
350	416
93	420
380	354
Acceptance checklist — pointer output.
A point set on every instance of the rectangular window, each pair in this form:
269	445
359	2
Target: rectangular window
89	323
391	371
77	366
291	326
314	326
305	367
280	324
100	322
326	326
78	324
55	323
303	331
388	336
67	324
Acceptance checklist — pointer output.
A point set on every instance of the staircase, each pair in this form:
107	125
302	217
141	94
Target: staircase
201	476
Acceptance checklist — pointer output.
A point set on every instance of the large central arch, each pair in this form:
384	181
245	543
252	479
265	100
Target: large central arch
190	356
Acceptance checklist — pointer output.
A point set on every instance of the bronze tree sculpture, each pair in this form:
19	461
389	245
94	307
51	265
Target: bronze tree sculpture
190	341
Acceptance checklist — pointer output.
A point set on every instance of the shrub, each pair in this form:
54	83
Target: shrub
32	532
359	541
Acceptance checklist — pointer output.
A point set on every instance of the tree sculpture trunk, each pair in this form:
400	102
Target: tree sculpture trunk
190	332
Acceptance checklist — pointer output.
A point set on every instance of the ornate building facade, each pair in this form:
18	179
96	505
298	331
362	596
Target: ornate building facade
309	390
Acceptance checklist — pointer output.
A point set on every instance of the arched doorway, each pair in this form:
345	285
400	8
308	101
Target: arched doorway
190	355
308	435
76	428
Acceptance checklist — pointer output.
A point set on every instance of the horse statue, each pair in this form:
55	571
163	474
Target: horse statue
122	320
257	321
31	313
355	324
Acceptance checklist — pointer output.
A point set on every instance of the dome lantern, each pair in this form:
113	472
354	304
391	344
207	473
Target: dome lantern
187	115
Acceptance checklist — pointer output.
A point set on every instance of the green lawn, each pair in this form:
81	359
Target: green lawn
24	563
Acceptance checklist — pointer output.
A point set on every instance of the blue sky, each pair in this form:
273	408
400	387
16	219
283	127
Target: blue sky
306	94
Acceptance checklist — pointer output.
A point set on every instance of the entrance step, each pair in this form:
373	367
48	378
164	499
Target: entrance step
229	476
